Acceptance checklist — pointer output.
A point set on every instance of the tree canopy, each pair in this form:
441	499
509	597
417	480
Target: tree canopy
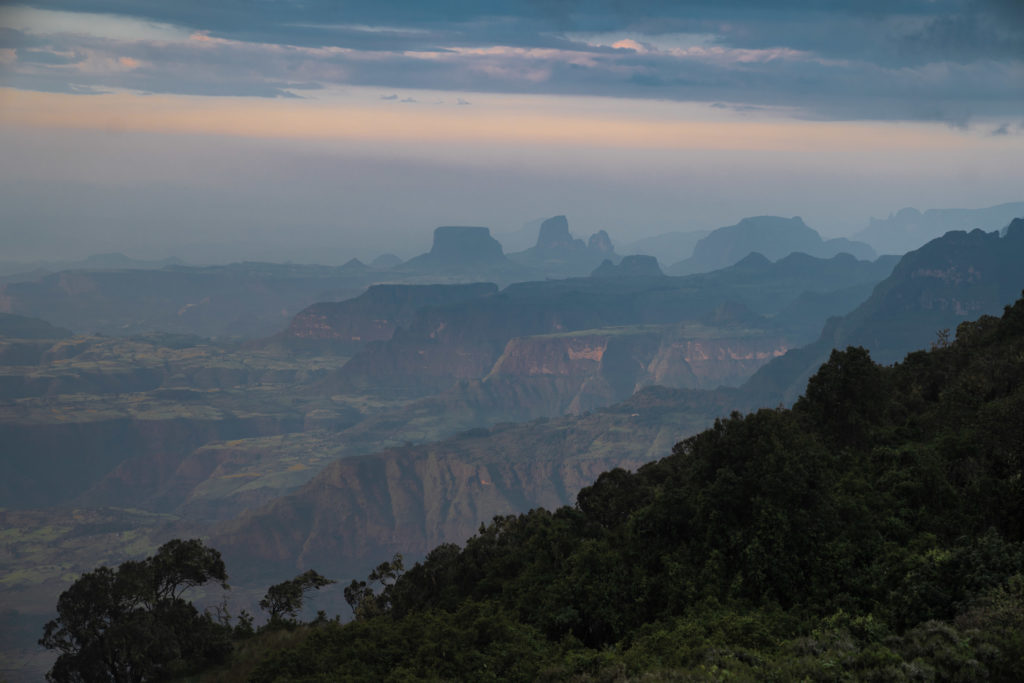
131	623
875	531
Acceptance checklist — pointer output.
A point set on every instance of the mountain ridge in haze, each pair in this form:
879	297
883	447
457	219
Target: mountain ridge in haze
771	236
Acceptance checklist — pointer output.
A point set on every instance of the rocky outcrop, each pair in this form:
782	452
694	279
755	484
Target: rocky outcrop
600	241
458	248
456	245
554	236
598	368
558	254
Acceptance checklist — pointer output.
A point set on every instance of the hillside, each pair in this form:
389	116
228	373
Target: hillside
408	499
874	529
952	279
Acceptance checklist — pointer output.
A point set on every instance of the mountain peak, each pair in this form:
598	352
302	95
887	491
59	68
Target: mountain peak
462	245
554	234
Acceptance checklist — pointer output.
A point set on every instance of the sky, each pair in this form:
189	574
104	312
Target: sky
317	131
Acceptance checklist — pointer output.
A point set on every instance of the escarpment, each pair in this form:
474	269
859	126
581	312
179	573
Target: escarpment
346	326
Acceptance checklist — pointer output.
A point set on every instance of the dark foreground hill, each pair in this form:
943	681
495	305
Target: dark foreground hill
872	532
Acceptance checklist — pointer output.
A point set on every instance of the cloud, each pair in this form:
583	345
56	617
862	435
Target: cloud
947	60
462	101
35	56
392	96
408	100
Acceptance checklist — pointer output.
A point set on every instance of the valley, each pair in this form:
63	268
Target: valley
404	417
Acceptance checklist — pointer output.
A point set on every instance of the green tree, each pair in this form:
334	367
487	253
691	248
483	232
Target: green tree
364	599
283	601
131	624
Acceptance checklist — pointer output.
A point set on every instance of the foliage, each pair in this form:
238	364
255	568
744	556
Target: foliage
283	601
361	596
132	624
873	532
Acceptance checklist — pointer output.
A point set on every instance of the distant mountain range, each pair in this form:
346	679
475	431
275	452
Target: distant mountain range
320	458
950	280
771	236
669	247
909	229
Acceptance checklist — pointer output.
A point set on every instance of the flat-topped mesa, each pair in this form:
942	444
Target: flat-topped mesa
636	265
456	245
554	234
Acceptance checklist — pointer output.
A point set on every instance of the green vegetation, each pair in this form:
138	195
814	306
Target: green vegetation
283	601
873	532
132	623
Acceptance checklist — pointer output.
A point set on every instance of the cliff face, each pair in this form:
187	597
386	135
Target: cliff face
121	462
445	344
957	277
374	315
591	370
360	509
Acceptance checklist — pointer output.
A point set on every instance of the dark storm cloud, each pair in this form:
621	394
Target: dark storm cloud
901	59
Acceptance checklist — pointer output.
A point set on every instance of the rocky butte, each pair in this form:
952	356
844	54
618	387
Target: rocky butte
457	246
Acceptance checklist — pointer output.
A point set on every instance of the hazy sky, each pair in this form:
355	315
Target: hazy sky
320	130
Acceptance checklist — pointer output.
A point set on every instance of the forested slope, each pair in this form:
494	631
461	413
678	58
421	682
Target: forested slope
875	531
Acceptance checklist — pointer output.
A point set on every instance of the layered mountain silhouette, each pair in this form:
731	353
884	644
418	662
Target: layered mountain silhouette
444	344
771	236
345	326
558	254
669	247
458	248
909	228
636	266
486	471
955	278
